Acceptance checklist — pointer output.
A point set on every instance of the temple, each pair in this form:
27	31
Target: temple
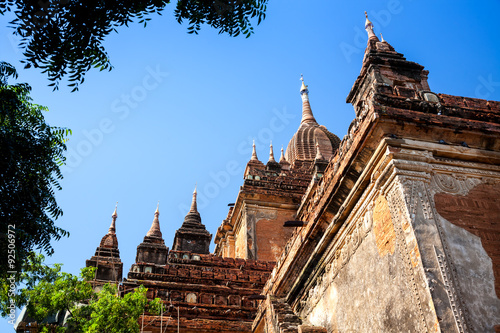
394	228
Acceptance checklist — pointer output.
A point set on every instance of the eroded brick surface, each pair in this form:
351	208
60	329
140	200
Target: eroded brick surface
479	213
383	228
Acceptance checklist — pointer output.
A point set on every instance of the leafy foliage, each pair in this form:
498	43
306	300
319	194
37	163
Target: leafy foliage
110	313
65	37
48	291
31	153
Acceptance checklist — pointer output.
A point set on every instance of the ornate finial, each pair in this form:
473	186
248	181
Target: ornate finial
282	157
254	153
319	156
115	215
194	207
307	116
382	38
369	27
271	153
195	186
303	87
155	226
112	227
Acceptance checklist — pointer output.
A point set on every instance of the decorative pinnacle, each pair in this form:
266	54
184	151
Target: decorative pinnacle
367	22
382	38
307	116
114	213
112	227
319	156
271	154
282	157
155	226
194	207
369	28
303	87
254	153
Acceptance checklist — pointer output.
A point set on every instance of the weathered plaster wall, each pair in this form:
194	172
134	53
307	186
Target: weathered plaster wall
366	288
469	216
260	234
241	239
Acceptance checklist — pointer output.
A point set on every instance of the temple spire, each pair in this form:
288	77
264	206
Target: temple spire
154	231
271	153
319	156
194	207
254	153
369	28
112	227
282	157
307	116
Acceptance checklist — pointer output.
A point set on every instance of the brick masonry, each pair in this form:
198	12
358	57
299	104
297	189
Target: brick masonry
478	212
383	228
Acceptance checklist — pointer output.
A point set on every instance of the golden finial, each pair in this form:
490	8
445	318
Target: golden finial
369	28
157	211
303	87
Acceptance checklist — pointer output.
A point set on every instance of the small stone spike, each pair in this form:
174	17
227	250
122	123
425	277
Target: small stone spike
271	153
254	153
282	157
112	227
154	231
194	206
319	156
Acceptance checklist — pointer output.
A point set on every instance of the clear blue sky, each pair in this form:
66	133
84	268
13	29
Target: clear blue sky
179	109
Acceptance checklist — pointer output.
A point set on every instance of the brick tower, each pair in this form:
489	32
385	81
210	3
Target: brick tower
153	250
107	257
192	236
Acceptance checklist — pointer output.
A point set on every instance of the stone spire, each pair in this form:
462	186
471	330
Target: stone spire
152	250
107	257
154	231
109	240
192	236
369	28
385	72
112	227
254	153
271	154
282	157
307	116
319	156
301	149
194	207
